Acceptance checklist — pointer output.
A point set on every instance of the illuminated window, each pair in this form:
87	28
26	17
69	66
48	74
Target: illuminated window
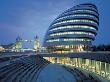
64	33
74	26
77	11
69	48
76	20
54	40
77	15
72	39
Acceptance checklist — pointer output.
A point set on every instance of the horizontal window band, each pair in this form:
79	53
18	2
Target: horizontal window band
73	28
59	40
73	25
79	19
79	13
74	31
81	10
71	38
78	16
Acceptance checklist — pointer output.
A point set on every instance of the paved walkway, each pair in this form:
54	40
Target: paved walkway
55	73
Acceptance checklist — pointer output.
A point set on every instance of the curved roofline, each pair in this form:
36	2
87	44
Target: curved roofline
89	4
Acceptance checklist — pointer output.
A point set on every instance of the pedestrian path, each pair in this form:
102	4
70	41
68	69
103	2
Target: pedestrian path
55	73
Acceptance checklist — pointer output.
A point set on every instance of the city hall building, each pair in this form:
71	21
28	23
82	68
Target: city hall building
73	30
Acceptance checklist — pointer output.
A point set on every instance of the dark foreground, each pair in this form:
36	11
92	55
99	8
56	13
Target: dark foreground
37	69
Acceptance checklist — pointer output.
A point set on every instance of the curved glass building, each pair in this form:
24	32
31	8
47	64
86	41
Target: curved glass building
73	30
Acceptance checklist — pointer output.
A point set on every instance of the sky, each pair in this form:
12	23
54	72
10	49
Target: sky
28	18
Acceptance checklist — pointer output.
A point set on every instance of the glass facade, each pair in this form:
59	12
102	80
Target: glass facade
97	67
73	30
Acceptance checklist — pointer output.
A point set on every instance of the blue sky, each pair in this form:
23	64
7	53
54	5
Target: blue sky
28	18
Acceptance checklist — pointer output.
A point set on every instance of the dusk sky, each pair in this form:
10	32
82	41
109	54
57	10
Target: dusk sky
28	18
